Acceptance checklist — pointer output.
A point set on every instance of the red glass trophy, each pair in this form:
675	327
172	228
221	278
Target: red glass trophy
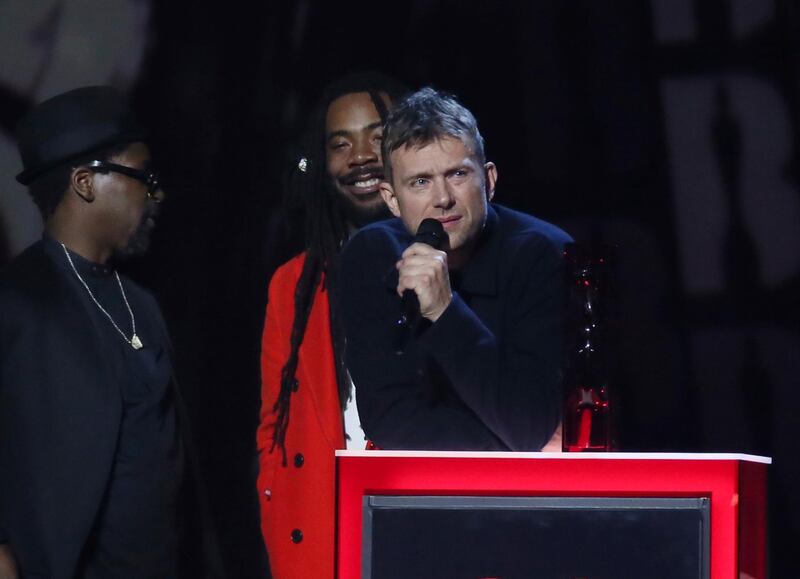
587	404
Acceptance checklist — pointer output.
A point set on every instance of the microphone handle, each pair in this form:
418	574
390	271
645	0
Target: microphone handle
429	232
409	311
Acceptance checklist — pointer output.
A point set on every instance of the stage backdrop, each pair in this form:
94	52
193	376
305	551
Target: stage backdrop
668	127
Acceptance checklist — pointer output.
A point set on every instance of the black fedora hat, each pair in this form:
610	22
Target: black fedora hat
74	124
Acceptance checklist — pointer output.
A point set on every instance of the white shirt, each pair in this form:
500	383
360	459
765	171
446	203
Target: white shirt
356	439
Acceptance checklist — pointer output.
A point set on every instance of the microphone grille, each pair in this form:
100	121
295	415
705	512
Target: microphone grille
431	232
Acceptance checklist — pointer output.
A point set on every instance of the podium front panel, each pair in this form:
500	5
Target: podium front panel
542	537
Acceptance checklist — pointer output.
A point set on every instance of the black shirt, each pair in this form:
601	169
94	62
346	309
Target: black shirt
486	374
135	531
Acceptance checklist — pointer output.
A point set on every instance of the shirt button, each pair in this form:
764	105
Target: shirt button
268	494
299	460
297	536
295	384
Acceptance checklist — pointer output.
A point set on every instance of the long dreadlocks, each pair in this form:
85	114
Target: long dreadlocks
326	230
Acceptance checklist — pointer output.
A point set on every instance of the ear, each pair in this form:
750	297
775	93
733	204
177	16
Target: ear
390	198
81	181
491	179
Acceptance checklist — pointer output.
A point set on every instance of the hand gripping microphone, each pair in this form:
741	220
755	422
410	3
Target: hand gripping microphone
429	232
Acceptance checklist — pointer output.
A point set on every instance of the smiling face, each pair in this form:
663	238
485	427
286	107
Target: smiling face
446	181
353	134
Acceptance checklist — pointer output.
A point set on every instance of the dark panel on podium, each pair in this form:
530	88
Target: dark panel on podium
542	537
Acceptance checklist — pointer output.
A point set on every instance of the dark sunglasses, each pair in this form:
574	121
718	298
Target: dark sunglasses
149	178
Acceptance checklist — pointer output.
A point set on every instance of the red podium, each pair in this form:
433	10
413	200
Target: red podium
604	507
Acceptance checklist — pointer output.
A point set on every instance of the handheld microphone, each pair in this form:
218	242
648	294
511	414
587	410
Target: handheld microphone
429	232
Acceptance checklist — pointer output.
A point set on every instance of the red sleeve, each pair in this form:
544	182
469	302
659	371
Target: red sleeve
274	352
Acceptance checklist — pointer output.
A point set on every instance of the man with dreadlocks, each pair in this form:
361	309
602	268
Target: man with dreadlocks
307	410
479	369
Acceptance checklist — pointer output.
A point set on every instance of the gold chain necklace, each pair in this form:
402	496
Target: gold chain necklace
134	340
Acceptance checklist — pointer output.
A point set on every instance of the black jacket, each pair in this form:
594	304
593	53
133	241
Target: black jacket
60	414
486	374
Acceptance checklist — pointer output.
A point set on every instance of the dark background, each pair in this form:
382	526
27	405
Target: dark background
668	128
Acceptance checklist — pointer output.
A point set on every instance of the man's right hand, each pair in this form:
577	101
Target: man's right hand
8	565
423	269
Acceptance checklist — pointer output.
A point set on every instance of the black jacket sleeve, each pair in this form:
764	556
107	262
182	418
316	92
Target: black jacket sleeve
397	406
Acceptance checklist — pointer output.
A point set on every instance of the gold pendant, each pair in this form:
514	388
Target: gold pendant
136	342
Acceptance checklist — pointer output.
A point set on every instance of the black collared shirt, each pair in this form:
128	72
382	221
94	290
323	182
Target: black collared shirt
486	374
135	531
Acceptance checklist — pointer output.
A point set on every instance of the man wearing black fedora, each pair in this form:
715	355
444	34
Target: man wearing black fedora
93	444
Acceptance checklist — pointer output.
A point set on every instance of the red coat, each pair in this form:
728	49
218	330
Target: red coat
298	500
